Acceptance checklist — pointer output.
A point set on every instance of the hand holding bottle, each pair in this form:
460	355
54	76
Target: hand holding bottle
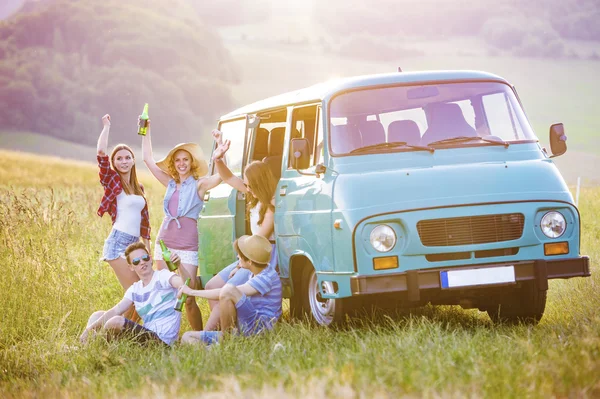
167	256
184	290
143	121
182	295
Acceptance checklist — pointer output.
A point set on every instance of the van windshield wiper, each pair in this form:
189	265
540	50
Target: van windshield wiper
392	144
464	139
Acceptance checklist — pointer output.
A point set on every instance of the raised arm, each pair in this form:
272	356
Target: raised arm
210	182
160	175
103	139
224	171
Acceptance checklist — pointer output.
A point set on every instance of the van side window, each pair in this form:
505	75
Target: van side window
234	131
271	129
304	125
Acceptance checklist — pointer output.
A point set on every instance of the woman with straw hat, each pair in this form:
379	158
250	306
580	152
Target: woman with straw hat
182	172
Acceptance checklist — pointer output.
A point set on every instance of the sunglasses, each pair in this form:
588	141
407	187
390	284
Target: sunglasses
144	258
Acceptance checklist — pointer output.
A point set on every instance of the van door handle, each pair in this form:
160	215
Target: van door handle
282	191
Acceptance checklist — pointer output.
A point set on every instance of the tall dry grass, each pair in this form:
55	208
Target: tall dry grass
51	280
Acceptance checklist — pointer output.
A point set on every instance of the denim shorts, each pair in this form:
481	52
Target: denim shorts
115	245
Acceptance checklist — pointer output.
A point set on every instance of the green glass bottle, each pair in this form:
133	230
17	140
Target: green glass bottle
167	256
143	123
181	301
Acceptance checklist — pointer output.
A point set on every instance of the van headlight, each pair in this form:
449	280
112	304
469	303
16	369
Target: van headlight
553	224
383	238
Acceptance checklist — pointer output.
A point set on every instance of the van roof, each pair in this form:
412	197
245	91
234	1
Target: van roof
324	90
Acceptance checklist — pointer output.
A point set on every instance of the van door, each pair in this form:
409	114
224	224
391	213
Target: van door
222	219
303	202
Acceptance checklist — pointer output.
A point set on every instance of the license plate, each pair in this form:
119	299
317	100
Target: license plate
473	277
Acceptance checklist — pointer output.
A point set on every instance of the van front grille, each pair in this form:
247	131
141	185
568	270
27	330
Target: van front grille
470	230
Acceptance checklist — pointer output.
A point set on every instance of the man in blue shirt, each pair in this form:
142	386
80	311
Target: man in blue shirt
252	307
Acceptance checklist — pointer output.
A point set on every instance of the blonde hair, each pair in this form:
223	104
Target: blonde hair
133	185
194	168
263	184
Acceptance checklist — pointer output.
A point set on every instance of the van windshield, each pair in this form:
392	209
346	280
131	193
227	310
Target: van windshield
426	116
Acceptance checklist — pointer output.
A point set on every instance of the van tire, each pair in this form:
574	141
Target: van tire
526	306
324	312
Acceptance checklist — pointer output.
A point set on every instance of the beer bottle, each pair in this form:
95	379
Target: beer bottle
167	256
181	301
143	122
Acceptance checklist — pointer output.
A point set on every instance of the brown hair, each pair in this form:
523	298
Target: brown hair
263	184
133	185
132	247
194	167
236	247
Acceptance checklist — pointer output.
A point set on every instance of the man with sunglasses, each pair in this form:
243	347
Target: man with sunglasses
154	297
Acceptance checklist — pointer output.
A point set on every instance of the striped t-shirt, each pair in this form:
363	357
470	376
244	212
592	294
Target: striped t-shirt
268	300
155	304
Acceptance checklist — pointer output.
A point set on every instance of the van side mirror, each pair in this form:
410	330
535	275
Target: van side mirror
300	153
558	139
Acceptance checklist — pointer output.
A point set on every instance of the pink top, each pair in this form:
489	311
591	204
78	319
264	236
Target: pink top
184	238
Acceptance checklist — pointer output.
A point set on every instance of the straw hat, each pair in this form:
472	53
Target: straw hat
196	152
256	248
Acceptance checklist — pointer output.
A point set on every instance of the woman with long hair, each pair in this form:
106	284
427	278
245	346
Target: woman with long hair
124	200
259	184
182	172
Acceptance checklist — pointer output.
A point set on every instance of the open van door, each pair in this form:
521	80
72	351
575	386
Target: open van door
222	219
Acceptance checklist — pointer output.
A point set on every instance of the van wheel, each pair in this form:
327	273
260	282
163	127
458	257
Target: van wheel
325	312
526	306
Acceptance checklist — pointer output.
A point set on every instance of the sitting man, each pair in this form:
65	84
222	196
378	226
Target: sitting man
252	307
154	297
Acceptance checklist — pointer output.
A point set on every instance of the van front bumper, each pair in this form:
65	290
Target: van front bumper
413	281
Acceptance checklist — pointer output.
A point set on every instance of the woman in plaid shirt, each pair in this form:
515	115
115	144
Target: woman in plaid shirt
125	202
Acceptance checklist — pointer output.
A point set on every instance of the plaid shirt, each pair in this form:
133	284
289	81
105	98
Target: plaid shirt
111	181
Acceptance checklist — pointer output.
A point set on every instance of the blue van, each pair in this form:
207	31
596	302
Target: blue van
400	190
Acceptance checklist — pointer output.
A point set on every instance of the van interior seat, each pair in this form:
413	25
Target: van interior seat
276	138
345	138
261	144
446	120
372	132
404	131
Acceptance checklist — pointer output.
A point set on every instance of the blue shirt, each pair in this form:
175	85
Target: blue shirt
189	205
268	300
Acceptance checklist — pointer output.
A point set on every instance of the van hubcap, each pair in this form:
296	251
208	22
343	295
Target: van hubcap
323	310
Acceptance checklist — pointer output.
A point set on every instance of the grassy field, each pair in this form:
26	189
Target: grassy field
51	240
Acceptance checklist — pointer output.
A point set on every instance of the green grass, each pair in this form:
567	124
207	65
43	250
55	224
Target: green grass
51	240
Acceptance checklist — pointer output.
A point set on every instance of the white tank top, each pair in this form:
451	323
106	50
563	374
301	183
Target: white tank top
129	213
254	221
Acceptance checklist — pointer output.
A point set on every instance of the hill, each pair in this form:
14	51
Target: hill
65	64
